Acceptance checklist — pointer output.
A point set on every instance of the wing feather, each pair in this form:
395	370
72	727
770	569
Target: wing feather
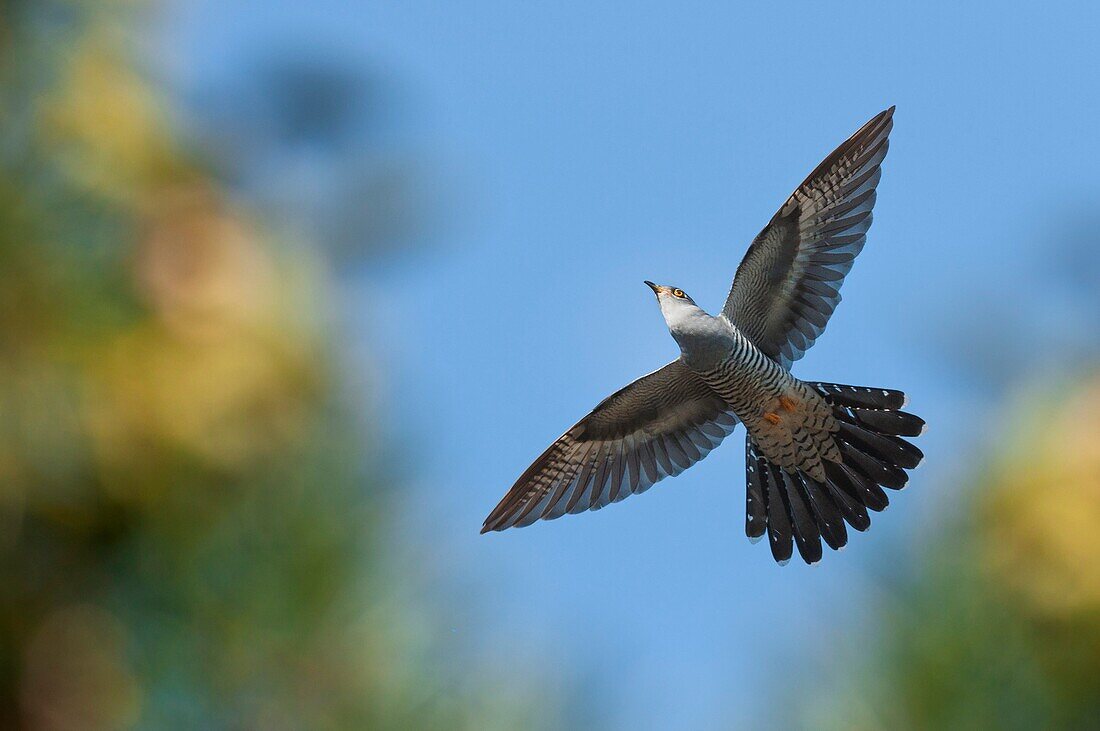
654	428
788	284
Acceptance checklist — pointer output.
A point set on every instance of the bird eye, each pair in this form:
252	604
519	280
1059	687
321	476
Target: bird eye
678	293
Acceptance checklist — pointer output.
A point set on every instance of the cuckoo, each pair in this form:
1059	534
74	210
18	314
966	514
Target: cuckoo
817	455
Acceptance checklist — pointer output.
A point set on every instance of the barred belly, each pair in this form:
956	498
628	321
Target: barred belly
790	423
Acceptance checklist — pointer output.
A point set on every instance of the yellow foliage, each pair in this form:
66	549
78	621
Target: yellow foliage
104	124
1041	522
220	373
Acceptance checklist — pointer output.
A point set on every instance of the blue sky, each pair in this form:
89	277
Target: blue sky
581	149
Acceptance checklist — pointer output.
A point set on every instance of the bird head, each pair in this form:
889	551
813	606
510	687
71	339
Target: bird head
676	305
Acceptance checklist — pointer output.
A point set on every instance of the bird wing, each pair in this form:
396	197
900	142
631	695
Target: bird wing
788	284
657	426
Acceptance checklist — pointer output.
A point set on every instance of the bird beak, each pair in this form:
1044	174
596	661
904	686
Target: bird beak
655	287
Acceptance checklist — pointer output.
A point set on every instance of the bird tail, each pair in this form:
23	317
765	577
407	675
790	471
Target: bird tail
792	504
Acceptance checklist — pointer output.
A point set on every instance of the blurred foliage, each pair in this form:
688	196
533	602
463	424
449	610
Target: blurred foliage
190	535
999	625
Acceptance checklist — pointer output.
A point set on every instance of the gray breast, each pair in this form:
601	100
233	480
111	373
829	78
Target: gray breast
744	376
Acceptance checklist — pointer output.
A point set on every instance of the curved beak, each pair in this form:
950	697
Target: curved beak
655	287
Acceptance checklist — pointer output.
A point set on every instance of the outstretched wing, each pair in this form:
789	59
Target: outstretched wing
656	427
788	284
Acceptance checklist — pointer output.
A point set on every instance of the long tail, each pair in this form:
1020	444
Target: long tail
788	505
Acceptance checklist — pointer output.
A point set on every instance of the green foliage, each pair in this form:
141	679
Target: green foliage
190	533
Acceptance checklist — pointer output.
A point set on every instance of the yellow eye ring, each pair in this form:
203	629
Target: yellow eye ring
678	293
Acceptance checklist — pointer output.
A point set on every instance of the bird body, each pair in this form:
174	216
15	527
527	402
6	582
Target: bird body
818	455
791	424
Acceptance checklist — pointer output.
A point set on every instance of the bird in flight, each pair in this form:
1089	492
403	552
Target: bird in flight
817	455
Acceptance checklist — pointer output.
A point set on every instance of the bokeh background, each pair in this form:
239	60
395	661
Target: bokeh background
291	292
